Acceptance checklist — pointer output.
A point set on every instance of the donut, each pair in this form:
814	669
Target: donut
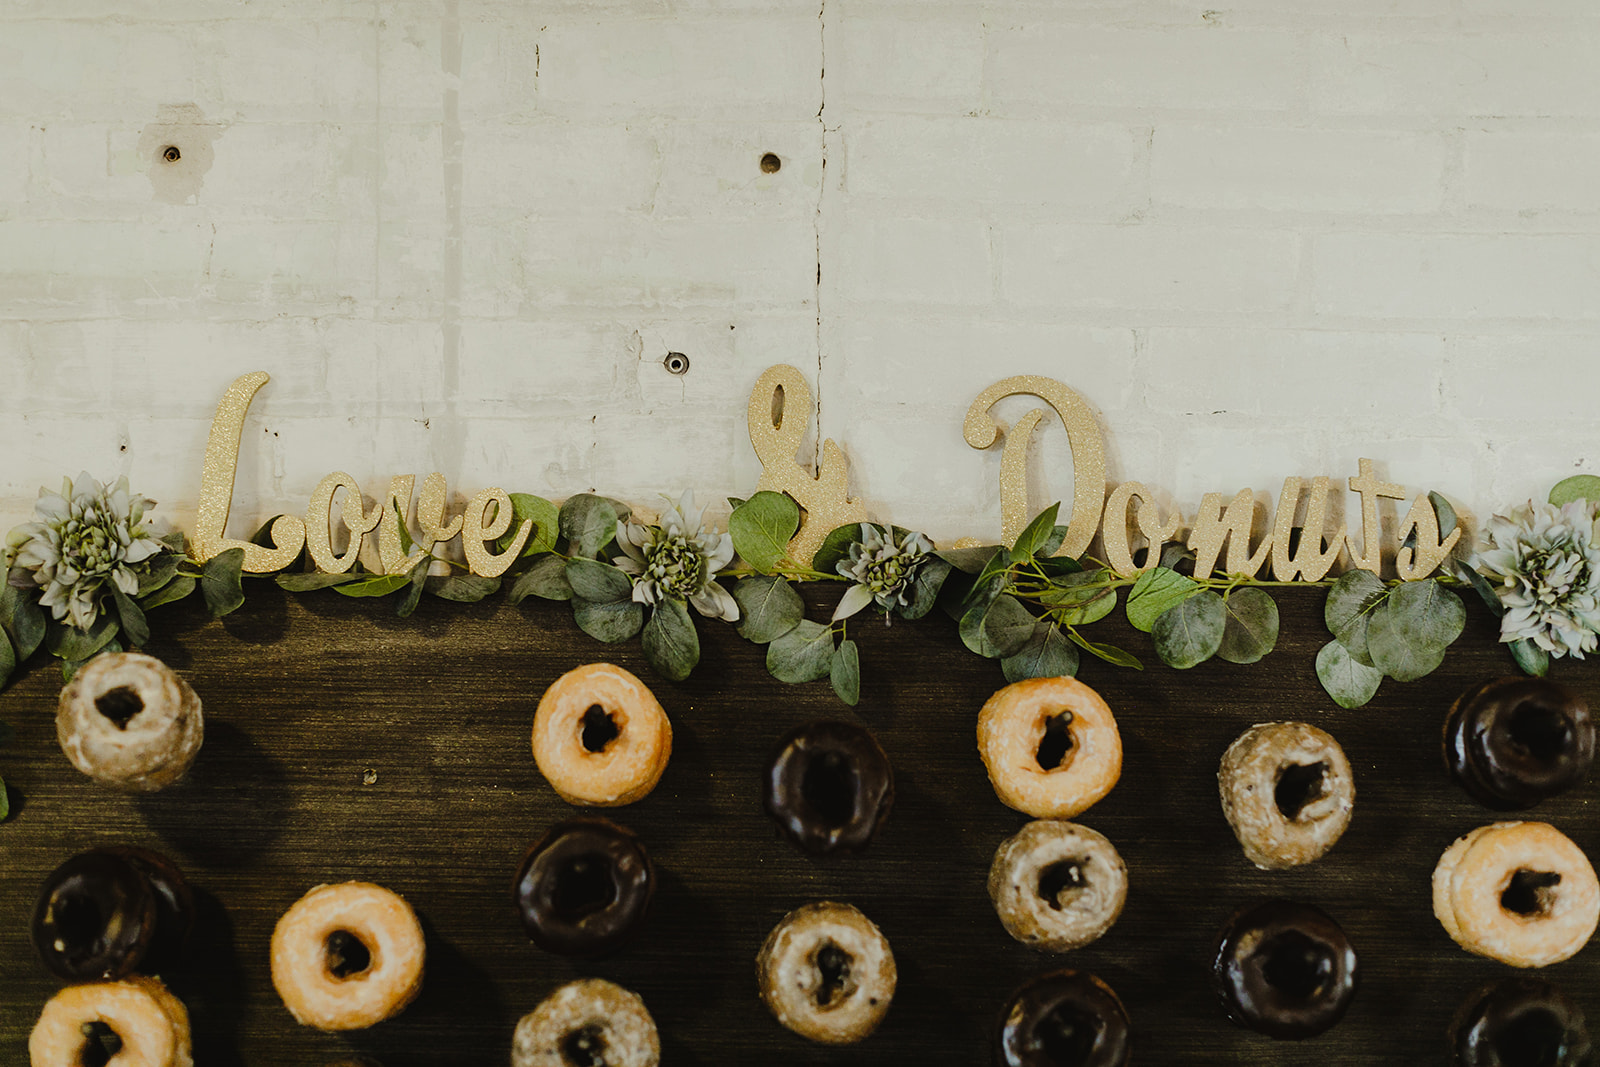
126	719
1050	746
347	956
1519	1020
1063	1019
1284	969
1057	885
1518	892
1513	742
829	787
587	1022
826	973
1287	791
108	912
600	737
150	1024
584	888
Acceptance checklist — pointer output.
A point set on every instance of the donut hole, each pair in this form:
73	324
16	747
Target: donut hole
1067	1034
598	729
585	1047
583	886
1541	731
829	788
346	955
1059	880
1530	893
833	965
1534	1038
79	922
119	705
1056	742
100	1045
1297	966
1299	785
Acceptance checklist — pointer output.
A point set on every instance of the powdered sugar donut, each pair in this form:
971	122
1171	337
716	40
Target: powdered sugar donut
126	719
1050	746
826	973
1057	885
1287	791
345	957
588	1021
600	736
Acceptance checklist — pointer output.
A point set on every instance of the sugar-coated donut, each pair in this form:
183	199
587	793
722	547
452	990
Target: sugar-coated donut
151	1023
588	1021
826	973
1057	885
319	944
1050	746
1287	791
605	757
126	719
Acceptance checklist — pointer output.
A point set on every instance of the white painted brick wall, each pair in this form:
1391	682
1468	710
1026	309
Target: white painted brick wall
1262	239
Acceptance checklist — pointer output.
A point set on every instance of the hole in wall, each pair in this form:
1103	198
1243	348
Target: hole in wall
770	163
676	363
171	153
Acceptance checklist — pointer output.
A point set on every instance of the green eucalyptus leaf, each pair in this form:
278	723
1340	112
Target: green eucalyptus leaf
671	645
463	588
589	523
368	585
835	548
1349	607
417	579
157	572
1190	632
1577	487
1056	566
74	645
1082	598
134	626
1035	534
5	802
966	560
735	501
1445	513
1481	586
991	580
598	582
1058	534
925	586
69	667
762	528
954	594
1110	653
611	622
1176	555
804	654
546	579
999	628
1348	681
308	581
177	589
1531	659
845	673
1155	592
769	607
8	663
546	525
221	582
1046	655
1251	630
1412	628
22	618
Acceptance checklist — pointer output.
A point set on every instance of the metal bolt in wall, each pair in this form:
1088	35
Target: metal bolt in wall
676	363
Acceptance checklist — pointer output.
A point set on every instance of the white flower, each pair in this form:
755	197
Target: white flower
84	536
882	570
675	559
1547	570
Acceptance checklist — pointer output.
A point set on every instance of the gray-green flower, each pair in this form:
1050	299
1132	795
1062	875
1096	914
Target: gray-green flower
84	536
1547	568
882	570
676	559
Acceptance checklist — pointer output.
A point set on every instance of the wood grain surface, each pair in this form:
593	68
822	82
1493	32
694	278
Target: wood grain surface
307	696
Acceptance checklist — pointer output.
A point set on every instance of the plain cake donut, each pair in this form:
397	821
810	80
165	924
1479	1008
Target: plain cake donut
600	737
1050	746
347	956
151	1023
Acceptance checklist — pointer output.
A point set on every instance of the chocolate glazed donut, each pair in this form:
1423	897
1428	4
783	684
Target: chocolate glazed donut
1063	1019
1519	1022
584	888
108	912
1284	969
1513	742
829	786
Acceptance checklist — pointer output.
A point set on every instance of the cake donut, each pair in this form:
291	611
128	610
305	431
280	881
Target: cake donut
826	973
1063	1019
1287	791
600	737
587	1022
347	956
108	912
1513	742
1057	885
1284	969
1050	746
128	720
584	888
147	1025
1518	892
1519	1020
829	787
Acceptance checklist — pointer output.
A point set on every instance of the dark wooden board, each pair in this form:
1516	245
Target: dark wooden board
304	694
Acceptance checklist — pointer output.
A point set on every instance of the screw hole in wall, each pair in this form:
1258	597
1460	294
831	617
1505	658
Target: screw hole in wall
171	154
770	163
676	363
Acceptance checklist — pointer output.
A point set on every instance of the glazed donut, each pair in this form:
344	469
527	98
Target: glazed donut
1284	969
600	737
108	912
1519	892
826	973
1057	885
347	956
1519	1020
1287	791
1513	742
585	887
829	787
1050	746
151	1024
590	1021
126	719
1069	1011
